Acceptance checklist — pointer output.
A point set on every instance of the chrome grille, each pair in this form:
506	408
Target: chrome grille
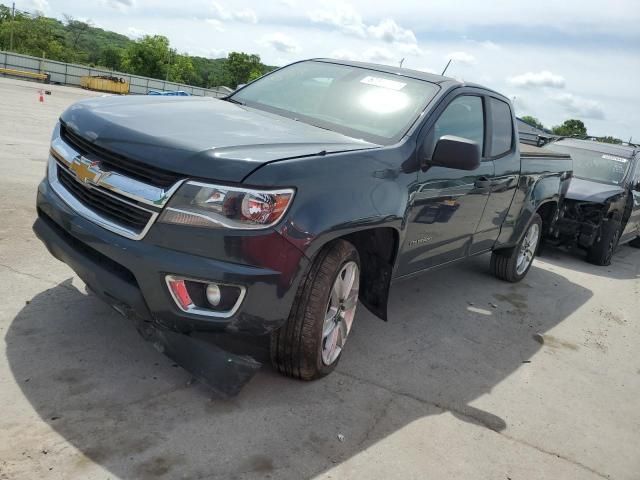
107	205
118	163
109	198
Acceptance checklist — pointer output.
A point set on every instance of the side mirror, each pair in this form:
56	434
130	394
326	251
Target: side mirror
456	152
240	85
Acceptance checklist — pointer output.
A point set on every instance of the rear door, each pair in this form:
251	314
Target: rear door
447	203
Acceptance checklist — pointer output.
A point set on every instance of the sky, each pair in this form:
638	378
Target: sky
555	59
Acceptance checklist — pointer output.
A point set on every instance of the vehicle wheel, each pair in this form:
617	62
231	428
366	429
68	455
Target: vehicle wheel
635	243
602	249
512	264
309	344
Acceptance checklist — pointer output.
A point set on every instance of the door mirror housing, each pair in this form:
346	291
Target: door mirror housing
456	152
240	85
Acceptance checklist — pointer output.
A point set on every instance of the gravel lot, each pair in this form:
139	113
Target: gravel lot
471	377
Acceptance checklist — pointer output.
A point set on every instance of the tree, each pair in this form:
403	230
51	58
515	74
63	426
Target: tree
148	57
181	70
533	121
76	29
610	139
111	57
571	128
242	68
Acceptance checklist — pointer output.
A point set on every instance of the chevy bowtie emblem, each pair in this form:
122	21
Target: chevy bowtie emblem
87	171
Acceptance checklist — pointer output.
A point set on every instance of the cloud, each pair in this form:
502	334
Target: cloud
218	53
343	54
289	3
121	5
537	79
461	57
281	43
578	106
379	55
489	45
244	15
340	15
135	33
215	23
347	19
389	31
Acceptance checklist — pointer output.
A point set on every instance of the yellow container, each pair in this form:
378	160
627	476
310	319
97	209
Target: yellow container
105	84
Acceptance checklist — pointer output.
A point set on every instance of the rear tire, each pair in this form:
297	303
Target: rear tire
603	248
513	264
635	243
300	348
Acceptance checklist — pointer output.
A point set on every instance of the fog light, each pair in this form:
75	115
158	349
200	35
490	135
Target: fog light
214	296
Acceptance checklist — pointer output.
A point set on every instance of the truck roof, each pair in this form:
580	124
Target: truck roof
405	72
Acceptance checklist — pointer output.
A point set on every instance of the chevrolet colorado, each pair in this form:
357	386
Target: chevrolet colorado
273	211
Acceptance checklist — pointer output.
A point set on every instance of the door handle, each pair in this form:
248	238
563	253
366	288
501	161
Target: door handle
483	182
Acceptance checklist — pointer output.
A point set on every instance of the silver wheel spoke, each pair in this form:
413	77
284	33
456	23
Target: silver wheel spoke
341	306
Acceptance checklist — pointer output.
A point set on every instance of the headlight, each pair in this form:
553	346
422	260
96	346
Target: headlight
217	206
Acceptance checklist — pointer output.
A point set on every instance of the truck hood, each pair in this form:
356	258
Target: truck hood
588	191
199	136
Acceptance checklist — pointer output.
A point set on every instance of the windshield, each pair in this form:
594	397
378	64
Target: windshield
361	103
597	166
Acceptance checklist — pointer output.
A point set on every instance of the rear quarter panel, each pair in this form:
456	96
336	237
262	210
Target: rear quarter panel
544	178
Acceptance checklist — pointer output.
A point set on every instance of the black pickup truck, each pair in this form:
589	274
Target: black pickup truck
273	211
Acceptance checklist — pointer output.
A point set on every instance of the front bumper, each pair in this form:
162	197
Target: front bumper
130	274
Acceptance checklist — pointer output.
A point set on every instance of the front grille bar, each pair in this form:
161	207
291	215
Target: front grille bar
129	207
109	180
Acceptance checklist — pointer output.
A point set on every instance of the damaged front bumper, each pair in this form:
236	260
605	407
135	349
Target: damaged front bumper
580	223
130	276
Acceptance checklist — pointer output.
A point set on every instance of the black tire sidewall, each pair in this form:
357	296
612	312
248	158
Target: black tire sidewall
602	251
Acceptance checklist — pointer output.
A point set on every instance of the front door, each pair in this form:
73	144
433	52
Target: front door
448	203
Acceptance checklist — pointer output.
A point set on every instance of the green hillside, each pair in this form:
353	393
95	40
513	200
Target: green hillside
75	41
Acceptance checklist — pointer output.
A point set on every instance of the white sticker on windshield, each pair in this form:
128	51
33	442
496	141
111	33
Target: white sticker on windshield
383	82
615	159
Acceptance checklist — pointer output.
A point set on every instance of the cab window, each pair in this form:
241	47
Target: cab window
463	117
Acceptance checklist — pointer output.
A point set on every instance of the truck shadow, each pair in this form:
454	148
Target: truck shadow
452	337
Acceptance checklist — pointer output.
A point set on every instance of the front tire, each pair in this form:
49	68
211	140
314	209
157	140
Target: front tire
310	343
513	264
602	249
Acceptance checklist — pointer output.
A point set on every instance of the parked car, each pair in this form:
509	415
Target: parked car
273	211
602	206
171	93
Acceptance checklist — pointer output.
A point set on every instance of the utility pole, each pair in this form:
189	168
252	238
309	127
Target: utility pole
13	18
401	62
445	68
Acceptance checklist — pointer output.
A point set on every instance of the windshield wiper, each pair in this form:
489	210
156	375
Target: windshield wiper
233	100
